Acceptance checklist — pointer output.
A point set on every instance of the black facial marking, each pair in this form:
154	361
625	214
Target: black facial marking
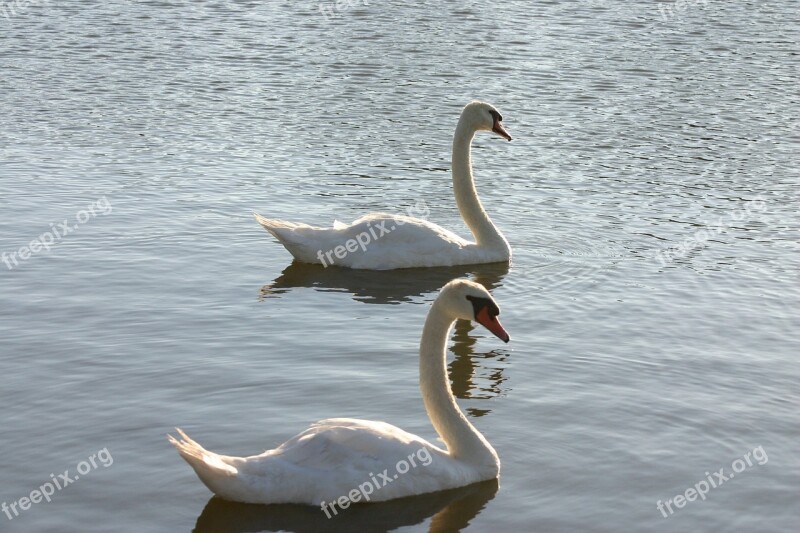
480	303
496	116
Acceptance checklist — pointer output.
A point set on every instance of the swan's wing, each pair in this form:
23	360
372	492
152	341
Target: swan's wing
336	442
305	242
338	455
399	228
382	241
377	241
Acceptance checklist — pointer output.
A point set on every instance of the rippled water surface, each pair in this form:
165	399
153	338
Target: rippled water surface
650	196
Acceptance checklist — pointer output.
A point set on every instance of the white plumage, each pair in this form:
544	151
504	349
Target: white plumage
388	241
335	456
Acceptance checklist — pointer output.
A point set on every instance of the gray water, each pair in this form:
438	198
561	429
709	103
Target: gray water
650	196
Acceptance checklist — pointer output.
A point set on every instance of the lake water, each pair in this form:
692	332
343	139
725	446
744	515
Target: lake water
650	196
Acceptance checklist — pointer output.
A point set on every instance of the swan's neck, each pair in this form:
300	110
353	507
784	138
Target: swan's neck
463	441
485	232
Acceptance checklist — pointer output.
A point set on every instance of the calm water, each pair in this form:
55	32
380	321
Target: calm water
636	365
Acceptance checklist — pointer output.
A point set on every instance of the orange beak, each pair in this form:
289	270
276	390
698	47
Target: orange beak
492	324
500	130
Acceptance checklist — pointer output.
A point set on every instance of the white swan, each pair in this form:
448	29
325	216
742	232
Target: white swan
381	241
337	456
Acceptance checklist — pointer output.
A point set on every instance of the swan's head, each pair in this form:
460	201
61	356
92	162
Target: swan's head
484	117
468	300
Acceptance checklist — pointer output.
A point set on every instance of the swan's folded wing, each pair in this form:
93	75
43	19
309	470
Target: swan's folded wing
400	228
397	241
357	444
377	241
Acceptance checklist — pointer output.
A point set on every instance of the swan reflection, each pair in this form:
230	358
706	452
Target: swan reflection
380	286
473	376
452	510
477	376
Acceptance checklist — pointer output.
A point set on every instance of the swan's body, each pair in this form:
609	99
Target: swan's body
335	456
327	461
400	242
382	241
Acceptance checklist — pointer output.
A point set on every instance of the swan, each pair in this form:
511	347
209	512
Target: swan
337	457
381	241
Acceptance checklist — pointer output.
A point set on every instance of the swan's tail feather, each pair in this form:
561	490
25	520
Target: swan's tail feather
208	465
273	225
294	236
